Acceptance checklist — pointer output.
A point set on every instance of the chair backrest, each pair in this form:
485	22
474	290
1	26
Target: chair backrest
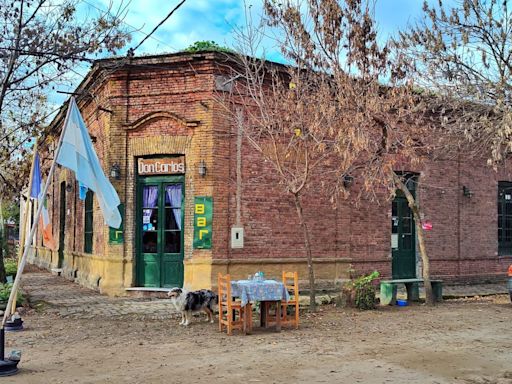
291	282
224	288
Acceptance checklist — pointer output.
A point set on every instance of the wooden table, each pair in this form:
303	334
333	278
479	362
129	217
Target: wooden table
263	314
267	292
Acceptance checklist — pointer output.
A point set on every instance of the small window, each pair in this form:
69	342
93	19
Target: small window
89	222
504	218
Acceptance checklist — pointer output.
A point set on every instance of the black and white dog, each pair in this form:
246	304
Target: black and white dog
195	301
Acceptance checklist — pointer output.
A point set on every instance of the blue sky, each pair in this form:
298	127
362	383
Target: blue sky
215	19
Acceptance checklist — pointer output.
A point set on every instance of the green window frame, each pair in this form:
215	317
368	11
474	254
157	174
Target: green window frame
89	221
504	218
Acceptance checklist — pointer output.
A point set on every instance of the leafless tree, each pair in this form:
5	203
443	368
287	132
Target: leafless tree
461	53
383	124
281	111
41	44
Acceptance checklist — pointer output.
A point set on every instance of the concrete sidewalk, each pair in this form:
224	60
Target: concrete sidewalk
475	290
67	299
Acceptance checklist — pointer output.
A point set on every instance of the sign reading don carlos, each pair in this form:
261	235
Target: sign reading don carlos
161	166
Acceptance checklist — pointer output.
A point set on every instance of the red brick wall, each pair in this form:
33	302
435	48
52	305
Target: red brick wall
462	244
97	122
464	240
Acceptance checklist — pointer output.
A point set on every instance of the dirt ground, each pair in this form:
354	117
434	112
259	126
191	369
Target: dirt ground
459	341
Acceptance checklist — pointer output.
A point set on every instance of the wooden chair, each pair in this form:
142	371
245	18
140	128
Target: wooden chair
228	309
291	283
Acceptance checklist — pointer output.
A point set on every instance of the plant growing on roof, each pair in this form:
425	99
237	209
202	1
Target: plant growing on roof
207	45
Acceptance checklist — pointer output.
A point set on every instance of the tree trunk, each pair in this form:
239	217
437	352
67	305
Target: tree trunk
309	256
3	279
429	296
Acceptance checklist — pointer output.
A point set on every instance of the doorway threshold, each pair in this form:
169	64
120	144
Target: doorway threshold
147	292
148	289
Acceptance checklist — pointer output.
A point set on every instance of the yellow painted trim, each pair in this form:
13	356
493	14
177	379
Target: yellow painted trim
197	273
284	260
326	269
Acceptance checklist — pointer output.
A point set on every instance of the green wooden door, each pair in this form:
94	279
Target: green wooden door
159	232
403	239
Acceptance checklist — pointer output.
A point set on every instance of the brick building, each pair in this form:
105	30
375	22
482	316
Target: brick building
171	154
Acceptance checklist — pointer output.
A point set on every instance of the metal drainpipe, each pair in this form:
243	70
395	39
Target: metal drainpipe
240	129
238	199
126	172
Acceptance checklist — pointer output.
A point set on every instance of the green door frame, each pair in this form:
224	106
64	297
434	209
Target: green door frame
161	259
403	264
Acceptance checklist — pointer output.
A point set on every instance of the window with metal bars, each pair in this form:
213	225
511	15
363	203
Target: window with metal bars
89	222
504	218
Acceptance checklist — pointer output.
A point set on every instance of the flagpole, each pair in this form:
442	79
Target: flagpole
25	220
23	260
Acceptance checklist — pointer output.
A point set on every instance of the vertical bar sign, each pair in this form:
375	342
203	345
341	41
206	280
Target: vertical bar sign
203	212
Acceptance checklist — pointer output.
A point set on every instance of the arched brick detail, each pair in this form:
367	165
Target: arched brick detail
154	145
158	115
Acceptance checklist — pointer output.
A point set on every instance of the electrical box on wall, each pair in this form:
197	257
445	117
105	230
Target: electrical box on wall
237	237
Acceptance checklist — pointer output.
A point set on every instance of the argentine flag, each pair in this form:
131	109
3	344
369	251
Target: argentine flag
37	194
77	153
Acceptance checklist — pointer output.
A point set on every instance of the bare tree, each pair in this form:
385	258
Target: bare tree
41	44
2	242
384	124
281	111
328	112
462	53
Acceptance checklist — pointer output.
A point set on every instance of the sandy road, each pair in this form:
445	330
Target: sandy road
460	341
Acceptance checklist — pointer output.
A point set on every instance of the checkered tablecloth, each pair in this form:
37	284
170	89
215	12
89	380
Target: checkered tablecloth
253	290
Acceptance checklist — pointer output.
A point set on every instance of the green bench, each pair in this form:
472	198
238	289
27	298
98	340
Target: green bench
388	289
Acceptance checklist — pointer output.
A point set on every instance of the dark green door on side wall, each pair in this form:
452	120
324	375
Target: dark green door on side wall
403	241
159	232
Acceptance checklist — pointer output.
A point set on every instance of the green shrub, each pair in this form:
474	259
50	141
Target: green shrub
360	292
365	297
5	291
11	267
